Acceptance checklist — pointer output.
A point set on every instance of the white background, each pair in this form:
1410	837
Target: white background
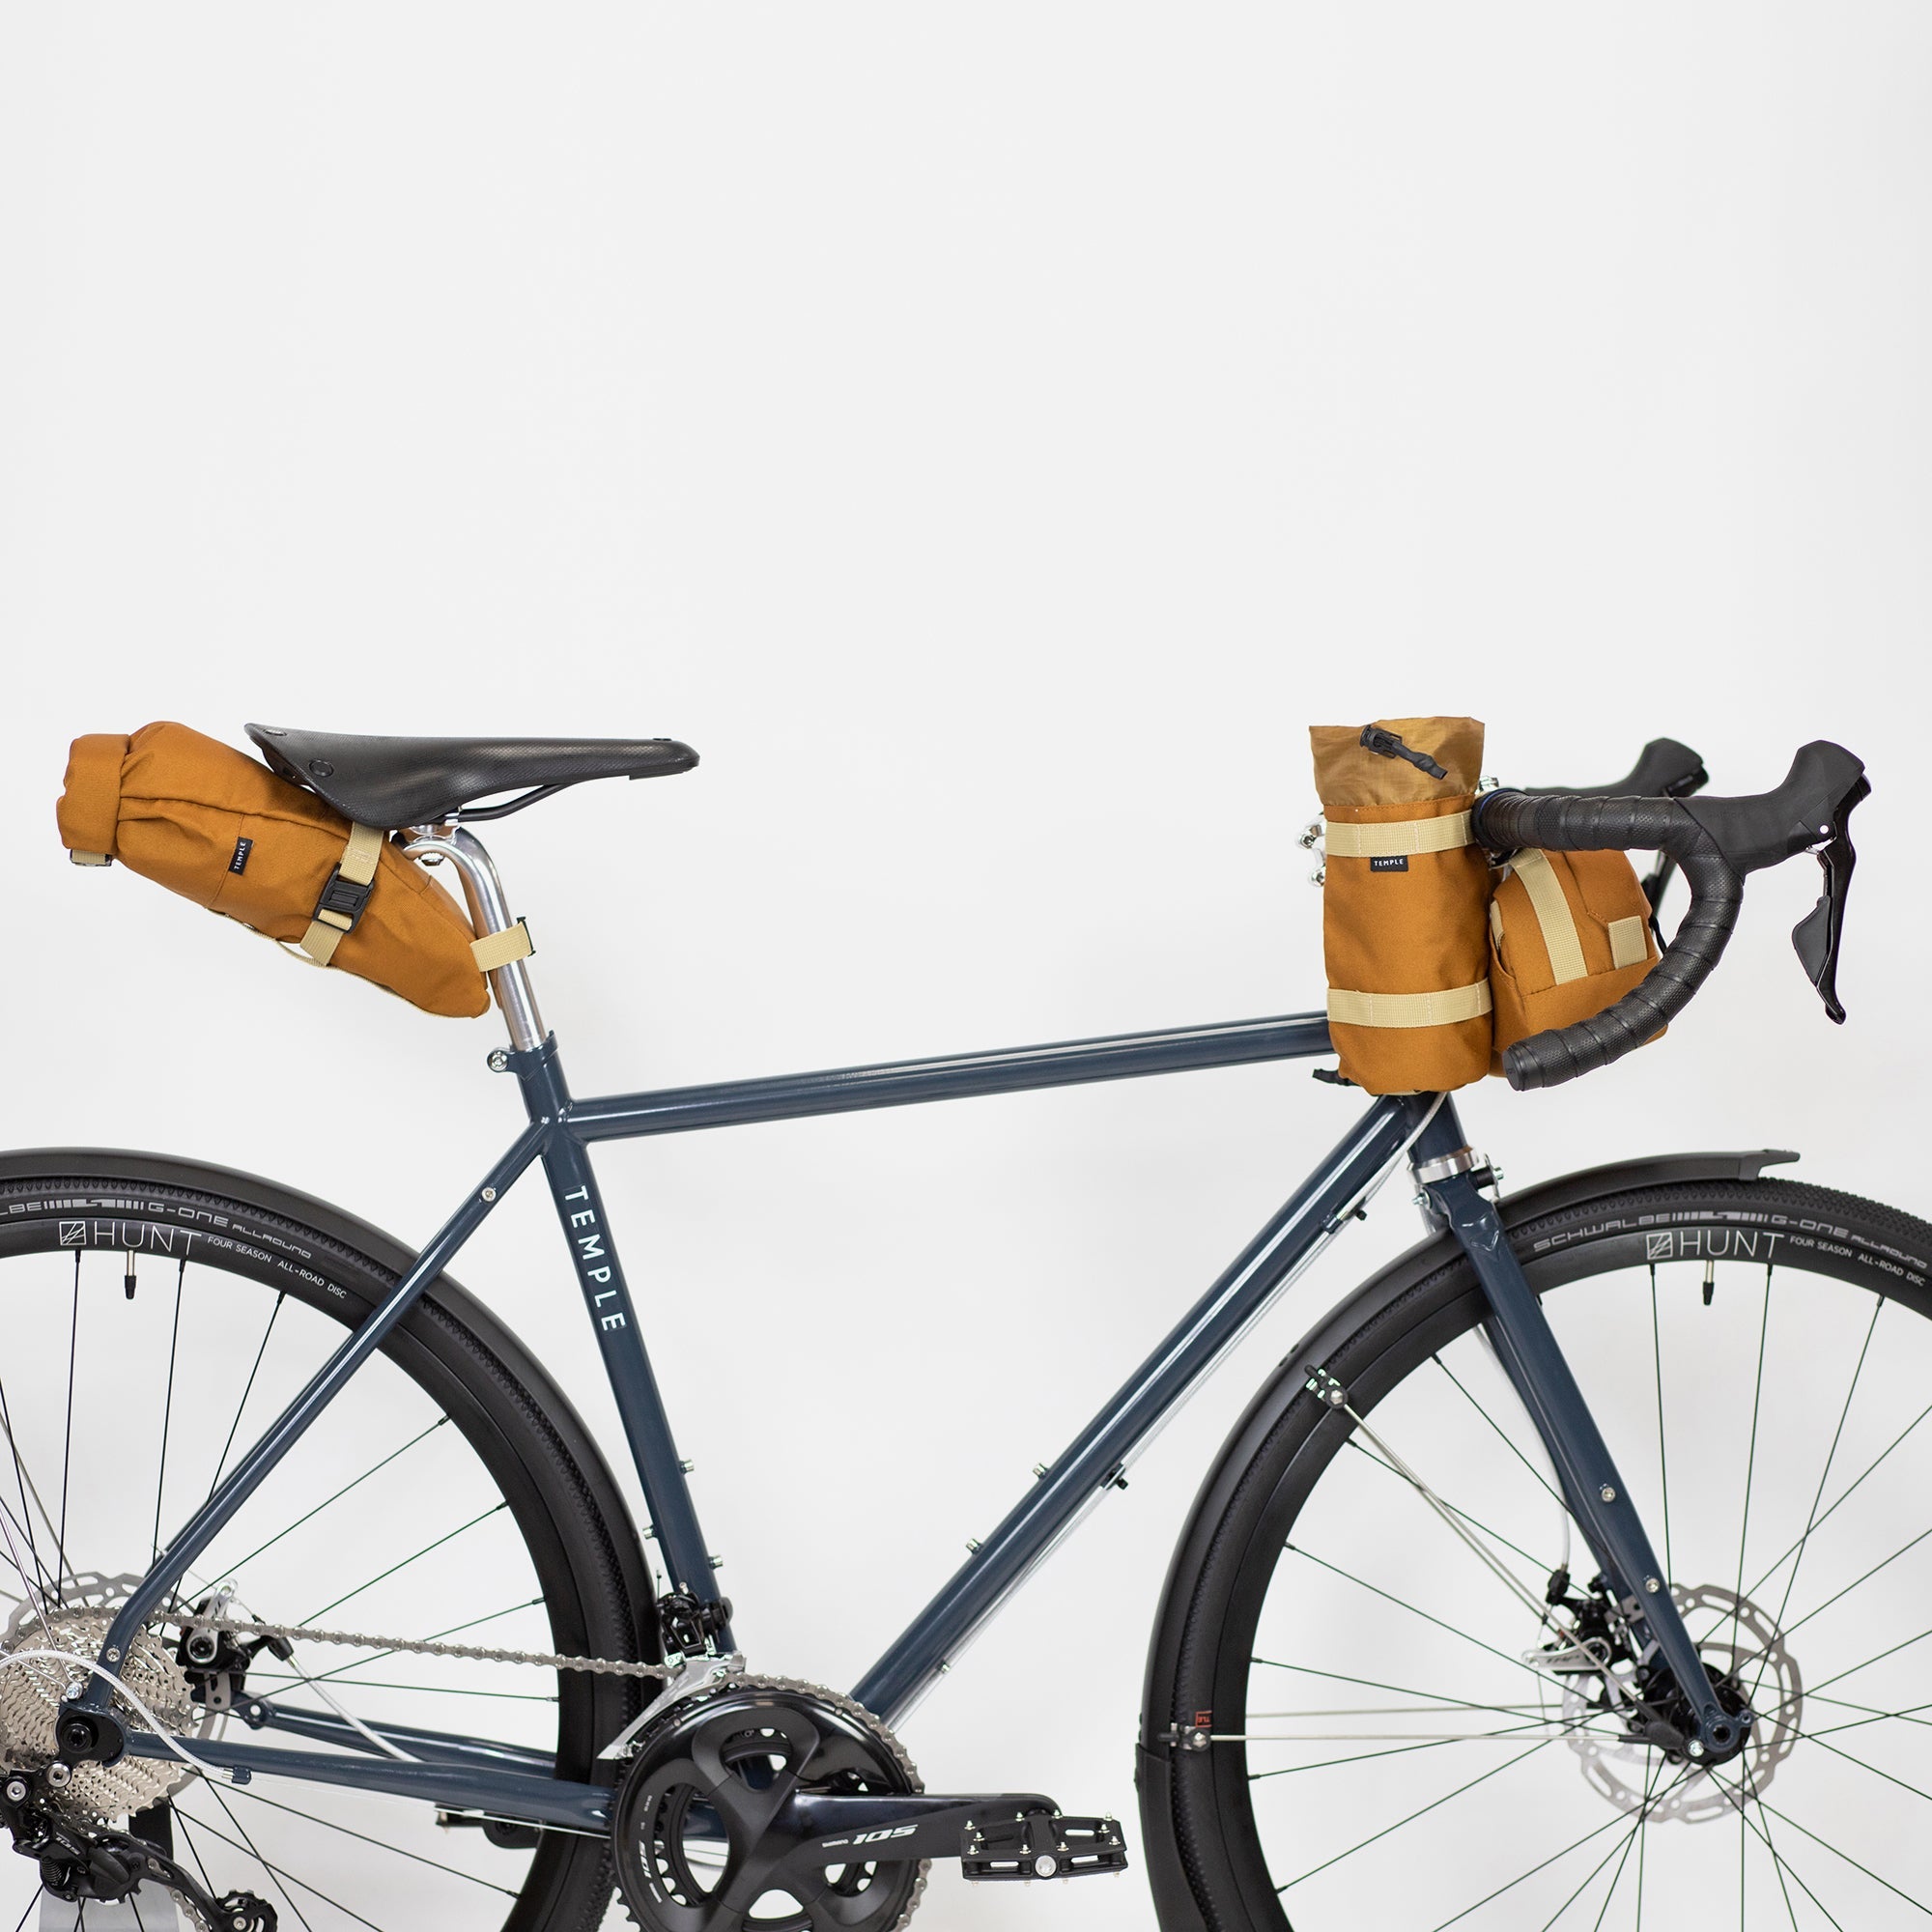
991	436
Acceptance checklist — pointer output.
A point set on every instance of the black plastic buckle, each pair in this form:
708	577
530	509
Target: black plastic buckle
344	898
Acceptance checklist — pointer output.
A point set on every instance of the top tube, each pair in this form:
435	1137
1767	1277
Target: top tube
902	1083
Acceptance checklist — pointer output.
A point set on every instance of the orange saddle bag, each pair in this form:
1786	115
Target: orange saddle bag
208	822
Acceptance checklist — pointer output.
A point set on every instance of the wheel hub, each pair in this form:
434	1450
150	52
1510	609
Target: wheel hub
1744	1654
33	1693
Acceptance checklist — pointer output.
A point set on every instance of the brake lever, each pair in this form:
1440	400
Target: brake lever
1816	937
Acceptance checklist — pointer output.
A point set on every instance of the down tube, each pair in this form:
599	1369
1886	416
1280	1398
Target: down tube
1094	1461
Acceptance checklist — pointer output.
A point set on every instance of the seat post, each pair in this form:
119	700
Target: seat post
488	911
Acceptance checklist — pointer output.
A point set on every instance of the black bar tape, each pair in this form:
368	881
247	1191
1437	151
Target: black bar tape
1506	821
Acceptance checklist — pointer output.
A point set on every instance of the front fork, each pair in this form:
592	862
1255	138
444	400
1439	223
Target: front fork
1592	1488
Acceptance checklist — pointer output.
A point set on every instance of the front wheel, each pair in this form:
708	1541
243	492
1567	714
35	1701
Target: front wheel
1385	1713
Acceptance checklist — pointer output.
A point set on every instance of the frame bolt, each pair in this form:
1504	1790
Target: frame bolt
687	1466
1039	1468
114	1657
16	1791
717	1563
1653	1584
488	1194
1695	1748
498	1062
1609	1495
972	1543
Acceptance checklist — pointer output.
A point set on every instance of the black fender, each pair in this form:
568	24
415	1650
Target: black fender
1174	1900
253	1190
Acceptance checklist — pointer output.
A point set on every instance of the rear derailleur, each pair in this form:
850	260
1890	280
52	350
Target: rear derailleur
85	1863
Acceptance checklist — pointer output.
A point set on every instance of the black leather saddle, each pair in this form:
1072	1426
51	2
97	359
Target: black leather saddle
389	783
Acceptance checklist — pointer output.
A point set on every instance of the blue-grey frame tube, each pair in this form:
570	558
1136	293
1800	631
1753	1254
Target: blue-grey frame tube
286	1431
903	1083
1093	1461
1597	1496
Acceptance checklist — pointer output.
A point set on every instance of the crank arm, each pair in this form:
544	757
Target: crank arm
894	1828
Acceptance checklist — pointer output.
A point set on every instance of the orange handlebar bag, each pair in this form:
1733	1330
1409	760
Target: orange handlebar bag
1405	902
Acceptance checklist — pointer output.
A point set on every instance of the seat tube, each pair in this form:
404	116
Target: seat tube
607	1296
1592	1487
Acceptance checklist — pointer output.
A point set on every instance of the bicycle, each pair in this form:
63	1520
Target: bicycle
1416	1566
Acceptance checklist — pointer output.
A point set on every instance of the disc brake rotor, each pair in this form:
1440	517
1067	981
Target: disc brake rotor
1740	1639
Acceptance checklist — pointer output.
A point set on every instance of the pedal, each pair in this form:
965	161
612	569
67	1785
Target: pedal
1041	1844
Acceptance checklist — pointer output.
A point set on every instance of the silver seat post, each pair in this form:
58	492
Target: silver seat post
488	911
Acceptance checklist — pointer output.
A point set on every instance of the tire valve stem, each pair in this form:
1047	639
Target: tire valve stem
127	1279
1710	1282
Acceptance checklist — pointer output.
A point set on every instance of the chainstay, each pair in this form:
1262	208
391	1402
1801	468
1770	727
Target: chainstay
601	1667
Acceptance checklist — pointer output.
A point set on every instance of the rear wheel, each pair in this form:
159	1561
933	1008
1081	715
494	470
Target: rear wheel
1379	1720
151	1330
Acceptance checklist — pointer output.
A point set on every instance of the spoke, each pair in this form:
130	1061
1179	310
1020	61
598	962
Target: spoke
67	1447
1852	1670
221	1461
412	1557
246	1844
1396	1689
1750	1469
1785	1818
1416	1610
283	1877
1818	1738
240	1563
1662	1461
1637	1831
1820	1610
1595	1832
1842	1496
381	1844
1629	1839
20	1479
1512	1735
1785	1867
1823	1476
168	1405
1496	1535
40	1893
1482	1778
1502	1434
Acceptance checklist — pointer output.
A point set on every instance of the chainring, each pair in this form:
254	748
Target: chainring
689	1816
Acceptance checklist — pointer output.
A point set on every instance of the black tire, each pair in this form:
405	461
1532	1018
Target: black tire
1216	1867
523	1444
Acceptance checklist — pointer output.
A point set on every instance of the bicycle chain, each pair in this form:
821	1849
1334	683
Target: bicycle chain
602	1666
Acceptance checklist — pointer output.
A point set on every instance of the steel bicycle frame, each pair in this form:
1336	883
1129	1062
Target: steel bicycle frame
477	1775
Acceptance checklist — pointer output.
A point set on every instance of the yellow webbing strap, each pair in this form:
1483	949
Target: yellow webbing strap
358	864
1410	1010
500	949
1630	941
1394	835
1552	914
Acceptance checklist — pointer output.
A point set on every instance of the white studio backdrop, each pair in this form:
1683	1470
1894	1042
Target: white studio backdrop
991	437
